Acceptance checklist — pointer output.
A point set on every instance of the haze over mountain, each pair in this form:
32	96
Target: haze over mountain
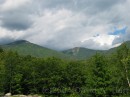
24	47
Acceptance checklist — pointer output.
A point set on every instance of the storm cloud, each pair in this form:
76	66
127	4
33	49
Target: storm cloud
63	24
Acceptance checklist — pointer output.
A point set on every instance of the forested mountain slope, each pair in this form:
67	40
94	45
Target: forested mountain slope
24	47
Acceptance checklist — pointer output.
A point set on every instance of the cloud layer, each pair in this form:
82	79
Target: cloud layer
63	24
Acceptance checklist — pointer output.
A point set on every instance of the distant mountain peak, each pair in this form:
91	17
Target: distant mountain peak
19	42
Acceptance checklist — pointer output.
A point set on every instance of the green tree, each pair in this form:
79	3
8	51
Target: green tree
99	77
12	71
75	78
2	76
1	50
119	71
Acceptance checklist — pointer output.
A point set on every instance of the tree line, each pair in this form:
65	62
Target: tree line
99	76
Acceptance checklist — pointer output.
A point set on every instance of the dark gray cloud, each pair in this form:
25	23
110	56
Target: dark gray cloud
16	18
16	22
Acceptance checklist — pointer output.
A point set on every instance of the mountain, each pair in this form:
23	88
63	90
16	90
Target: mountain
24	47
84	53
81	53
112	50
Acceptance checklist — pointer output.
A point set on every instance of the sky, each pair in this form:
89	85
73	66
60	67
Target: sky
64	24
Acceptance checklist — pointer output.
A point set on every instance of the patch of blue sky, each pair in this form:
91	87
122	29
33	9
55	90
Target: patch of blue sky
119	31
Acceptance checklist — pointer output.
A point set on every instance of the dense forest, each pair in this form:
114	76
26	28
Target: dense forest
98	76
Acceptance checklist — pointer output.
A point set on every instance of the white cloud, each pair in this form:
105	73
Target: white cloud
51	25
62	24
12	4
12	35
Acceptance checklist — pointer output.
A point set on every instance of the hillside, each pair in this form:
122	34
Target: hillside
81	53
84	53
112	50
24	47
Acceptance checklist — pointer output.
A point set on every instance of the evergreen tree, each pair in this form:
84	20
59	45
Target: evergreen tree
99	78
1	50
